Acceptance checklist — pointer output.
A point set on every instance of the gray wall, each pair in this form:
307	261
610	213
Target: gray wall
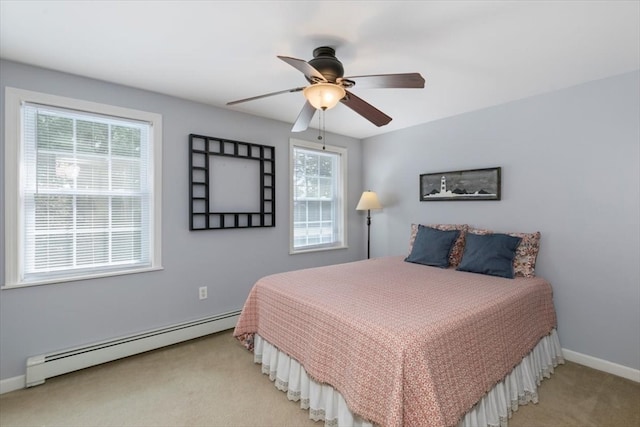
570	164
40	319
570	169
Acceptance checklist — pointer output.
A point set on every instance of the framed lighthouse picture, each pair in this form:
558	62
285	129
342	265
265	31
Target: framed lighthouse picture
472	184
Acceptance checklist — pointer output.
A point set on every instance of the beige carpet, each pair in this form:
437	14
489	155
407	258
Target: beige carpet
212	381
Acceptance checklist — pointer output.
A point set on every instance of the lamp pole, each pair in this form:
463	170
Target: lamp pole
368	233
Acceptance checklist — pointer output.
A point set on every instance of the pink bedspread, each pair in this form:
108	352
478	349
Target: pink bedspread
405	344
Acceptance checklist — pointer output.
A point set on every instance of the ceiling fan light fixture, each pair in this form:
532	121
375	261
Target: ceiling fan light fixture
328	87
324	96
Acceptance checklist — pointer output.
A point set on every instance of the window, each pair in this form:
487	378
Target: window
318	189
83	189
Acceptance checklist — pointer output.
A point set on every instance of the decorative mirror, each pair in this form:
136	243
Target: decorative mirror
231	184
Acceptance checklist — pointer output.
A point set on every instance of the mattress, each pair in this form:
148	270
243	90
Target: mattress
404	344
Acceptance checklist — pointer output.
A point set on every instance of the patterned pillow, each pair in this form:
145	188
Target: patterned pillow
458	246
524	263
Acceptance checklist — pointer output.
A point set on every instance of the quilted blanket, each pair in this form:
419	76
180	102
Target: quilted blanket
405	344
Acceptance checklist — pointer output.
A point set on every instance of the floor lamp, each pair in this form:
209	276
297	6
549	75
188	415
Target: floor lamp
368	201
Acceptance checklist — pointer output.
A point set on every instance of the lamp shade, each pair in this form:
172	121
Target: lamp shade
368	201
324	96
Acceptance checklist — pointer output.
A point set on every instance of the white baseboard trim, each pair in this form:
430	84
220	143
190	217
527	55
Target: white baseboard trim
12	384
602	365
41	367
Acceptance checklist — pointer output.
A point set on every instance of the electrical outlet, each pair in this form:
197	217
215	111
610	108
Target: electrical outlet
202	292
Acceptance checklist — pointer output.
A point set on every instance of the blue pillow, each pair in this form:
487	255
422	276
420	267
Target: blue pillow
490	254
432	247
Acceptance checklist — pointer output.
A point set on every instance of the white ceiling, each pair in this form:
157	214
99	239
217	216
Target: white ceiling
473	54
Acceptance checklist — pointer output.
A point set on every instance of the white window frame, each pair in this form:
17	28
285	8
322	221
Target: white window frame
14	179
341	185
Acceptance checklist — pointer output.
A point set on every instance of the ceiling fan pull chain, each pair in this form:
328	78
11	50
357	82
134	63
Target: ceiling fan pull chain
321	128
324	130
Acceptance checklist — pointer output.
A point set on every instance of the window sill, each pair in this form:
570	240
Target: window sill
320	249
76	278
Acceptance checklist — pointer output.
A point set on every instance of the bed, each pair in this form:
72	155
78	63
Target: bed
394	342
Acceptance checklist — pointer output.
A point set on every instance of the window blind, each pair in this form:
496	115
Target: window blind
86	194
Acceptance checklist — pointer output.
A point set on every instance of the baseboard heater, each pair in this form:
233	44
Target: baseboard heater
50	365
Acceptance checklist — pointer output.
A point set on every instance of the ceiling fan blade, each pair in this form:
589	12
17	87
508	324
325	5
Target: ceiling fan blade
365	109
406	80
296	89
304	118
304	67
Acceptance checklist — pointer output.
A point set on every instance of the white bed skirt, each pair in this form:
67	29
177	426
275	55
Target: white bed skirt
493	410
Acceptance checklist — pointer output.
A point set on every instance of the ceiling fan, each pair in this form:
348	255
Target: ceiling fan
328	87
